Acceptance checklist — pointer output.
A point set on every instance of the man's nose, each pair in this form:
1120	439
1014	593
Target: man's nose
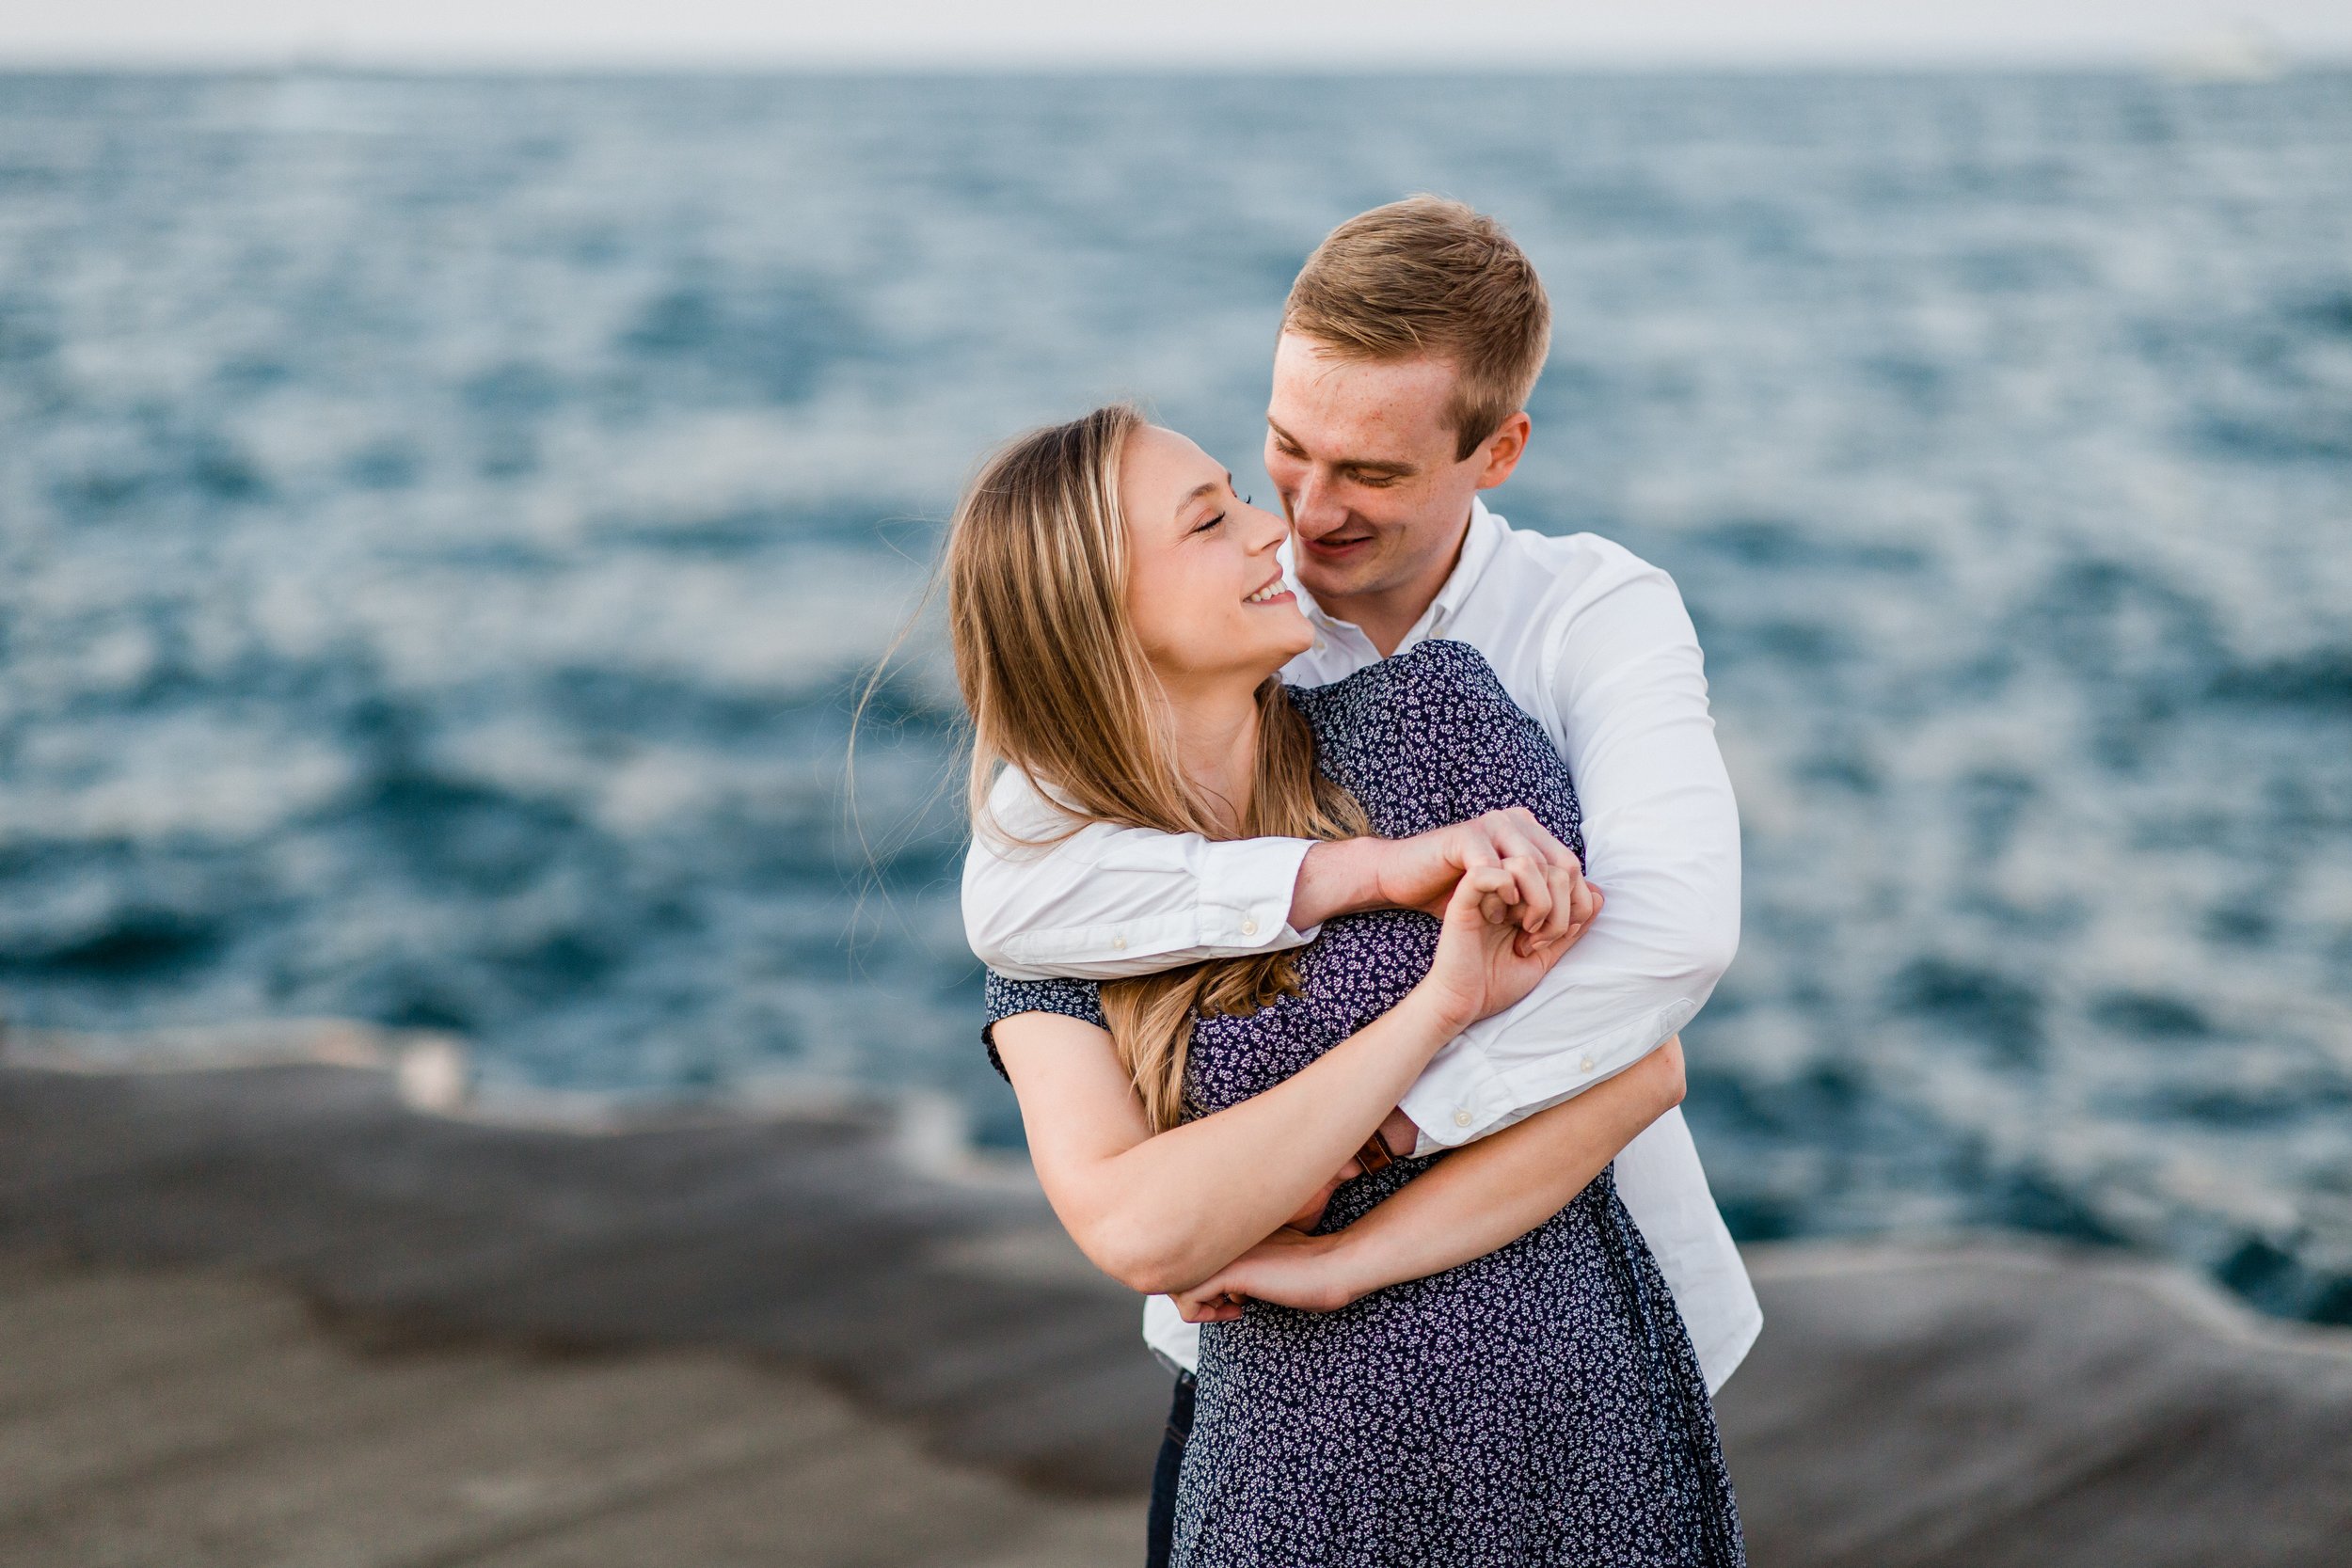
1314	509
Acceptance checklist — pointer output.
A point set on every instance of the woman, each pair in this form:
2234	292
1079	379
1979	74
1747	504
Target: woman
1474	1360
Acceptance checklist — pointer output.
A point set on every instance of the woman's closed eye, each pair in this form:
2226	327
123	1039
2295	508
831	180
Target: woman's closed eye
1207	523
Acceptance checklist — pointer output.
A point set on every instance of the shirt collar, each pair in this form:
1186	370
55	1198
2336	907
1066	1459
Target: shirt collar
1478	544
1478	550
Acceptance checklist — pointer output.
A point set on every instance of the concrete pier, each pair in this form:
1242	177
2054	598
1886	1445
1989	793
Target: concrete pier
274	1315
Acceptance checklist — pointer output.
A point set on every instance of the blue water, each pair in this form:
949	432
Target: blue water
441	522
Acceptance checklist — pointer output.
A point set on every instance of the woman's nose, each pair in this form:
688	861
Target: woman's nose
1271	530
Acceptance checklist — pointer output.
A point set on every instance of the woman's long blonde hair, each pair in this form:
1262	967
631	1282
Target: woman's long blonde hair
1058	687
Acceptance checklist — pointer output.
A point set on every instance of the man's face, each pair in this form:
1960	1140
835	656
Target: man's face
1365	461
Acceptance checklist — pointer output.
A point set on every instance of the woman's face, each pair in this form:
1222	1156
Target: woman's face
1204	590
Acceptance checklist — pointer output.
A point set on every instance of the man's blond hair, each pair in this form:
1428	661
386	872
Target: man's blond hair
1430	276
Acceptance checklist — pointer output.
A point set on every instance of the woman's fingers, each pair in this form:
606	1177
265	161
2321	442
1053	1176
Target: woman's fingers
1546	873
1514	830
1480	883
1532	881
1547	948
1547	902
1561	885
1551	902
1584	904
1470	892
1515	841
1489	890
1516	855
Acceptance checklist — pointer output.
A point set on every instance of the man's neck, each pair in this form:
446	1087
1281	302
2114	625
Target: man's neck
1387	614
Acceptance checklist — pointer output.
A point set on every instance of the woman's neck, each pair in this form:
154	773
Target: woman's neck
1216	746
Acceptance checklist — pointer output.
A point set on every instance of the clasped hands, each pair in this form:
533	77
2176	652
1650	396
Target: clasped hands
1545	896
1538	886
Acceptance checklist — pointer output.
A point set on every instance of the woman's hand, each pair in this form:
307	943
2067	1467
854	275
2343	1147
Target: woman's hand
1289	1269
1485	959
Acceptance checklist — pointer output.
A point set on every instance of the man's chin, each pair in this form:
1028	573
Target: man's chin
1328	584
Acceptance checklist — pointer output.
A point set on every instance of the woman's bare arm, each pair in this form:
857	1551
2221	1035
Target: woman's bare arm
1475	1201
1160	1213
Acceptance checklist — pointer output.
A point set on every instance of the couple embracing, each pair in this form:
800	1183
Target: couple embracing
1322	1039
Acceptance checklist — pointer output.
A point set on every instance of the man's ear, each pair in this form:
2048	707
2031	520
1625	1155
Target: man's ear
1503	449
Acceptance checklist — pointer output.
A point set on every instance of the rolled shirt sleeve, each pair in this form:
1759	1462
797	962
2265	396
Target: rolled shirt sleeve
1107	902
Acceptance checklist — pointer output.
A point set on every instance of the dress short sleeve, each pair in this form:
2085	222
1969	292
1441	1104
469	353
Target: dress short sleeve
1078	999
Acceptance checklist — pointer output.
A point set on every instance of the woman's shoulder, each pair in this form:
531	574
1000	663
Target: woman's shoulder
1432	736
1439	672
1442	664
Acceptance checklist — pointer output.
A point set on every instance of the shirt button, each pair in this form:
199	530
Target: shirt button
1586	1064
1461	1118
1119	945
1250	927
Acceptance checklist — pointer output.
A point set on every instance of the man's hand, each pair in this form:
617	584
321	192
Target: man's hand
1310	1213
1418	873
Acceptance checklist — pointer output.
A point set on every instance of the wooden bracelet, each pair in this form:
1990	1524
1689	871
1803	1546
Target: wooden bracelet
1374	1155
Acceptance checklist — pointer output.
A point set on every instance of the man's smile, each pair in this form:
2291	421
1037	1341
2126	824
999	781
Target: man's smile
1336	547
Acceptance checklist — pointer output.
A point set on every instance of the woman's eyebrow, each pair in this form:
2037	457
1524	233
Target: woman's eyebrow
1206	487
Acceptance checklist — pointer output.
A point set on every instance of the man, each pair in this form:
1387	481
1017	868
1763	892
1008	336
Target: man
1409	344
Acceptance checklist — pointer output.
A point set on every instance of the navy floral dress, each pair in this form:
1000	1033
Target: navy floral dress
1538	1405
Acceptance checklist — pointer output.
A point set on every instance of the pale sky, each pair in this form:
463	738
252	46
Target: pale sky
1255	34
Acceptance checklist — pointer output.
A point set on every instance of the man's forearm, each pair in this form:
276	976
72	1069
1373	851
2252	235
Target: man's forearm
1490	1194
1338	877
1482	1084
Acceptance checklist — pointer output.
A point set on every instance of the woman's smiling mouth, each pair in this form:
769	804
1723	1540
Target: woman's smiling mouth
1272	593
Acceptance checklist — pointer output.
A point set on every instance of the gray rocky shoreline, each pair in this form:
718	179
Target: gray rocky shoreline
914	1365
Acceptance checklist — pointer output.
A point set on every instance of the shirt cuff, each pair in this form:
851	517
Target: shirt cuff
1459	1095
1246	886
1463	1097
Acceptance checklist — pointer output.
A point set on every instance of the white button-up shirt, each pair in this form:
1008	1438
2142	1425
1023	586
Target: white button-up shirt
1594	644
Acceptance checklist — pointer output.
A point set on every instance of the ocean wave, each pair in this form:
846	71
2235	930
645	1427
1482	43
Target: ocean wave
443	525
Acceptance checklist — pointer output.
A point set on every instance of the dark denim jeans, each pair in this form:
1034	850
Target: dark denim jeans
1160	1536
